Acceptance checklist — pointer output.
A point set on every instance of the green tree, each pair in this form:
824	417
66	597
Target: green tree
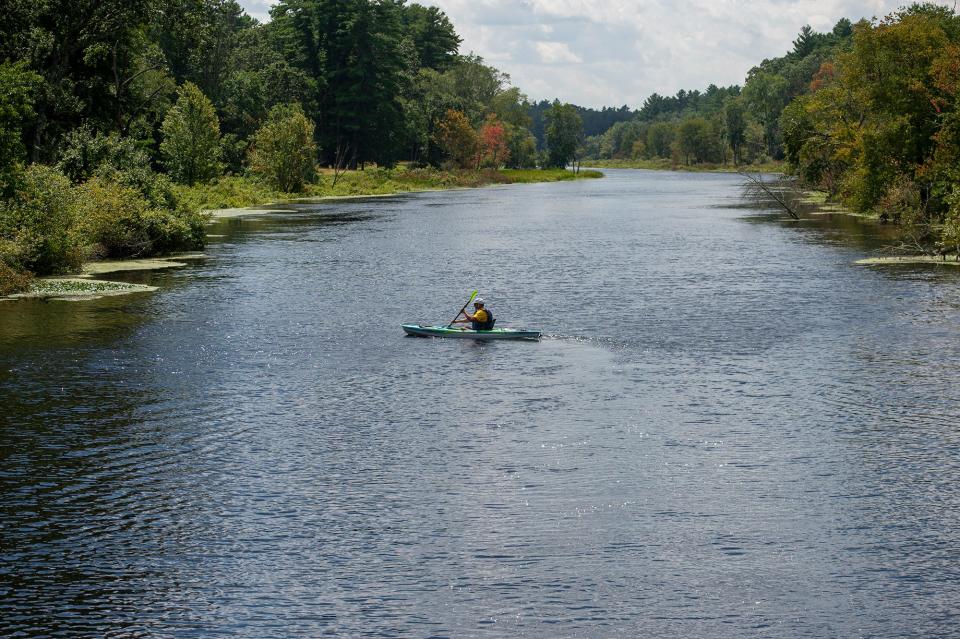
433	35
191	137
735	126
564	129
660	137
523	148
475	86
766	95
353	51
511	107
950	234
695	140
805	42
17	89
283	150
89	54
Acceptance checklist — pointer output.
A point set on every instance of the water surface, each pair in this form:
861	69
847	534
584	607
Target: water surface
729	429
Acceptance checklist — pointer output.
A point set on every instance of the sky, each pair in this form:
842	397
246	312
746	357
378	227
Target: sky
598	53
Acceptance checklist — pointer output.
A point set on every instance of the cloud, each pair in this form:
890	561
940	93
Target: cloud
259	9
556	53
614	52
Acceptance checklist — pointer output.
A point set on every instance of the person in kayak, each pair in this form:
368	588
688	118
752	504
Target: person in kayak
481	319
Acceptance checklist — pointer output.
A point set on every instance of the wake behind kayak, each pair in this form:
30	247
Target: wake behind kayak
420	330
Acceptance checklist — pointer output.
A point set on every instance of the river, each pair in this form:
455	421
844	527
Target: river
728	430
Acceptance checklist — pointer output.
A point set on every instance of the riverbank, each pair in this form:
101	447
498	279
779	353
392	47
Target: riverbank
818	203
664	164
83	285
231	196
239	192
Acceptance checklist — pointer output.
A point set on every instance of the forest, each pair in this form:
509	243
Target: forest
866	113
118	118
115	115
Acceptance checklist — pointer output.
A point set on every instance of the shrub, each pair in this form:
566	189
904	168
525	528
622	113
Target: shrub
38	223
116	221
111	219
180	229
283	151
950	234
13	280
901	203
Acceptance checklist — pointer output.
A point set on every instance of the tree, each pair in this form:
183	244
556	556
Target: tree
494	150
694	139
766	95
659	139
805	42
950	235
563	131
523	148
475	85
353	52
457	139
191	137
283	151
433	35
735	126
79	48
511	107
843	28
17	89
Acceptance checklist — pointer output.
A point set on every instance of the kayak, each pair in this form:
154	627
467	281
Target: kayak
456	331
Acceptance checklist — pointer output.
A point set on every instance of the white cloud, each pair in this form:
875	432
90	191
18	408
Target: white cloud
613	52
556	53
259	9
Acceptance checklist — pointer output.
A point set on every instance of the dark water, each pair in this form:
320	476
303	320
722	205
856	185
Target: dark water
730	430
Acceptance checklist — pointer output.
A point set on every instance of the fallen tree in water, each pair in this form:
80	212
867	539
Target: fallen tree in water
781	191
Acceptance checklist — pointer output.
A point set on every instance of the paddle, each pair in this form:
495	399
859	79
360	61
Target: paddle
472	295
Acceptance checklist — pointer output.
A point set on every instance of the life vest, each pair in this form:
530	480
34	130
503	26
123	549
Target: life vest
484	326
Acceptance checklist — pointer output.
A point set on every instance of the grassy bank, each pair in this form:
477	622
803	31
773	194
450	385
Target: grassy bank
236	192
663	164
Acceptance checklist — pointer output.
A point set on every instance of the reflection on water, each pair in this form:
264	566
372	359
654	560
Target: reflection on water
729	431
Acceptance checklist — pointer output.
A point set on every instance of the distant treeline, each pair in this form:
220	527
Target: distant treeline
722	124
867	112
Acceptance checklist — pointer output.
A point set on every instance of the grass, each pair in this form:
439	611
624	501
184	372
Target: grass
665	164
225	193
238	192
526	176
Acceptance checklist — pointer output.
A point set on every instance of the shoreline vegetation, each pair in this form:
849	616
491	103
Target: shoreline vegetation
239	192
667	164
231	196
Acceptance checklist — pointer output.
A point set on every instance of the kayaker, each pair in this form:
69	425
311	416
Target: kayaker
481	319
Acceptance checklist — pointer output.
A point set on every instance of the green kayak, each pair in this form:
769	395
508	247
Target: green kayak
455	331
